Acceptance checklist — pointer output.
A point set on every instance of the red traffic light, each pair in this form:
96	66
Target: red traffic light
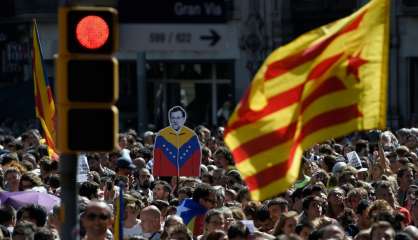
88	30
92	32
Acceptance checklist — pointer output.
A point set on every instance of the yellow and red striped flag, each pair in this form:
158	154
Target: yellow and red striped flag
44	101
327	83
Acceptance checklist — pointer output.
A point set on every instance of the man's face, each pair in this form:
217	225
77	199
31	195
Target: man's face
315	209
144	179
275	212
384	233
406	179
159	192
177	120
208	202
96	220
385	194
149	223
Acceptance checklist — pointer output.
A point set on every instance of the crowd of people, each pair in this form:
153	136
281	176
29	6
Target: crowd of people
371	194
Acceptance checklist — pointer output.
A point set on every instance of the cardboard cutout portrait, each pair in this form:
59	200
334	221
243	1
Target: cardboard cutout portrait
177	150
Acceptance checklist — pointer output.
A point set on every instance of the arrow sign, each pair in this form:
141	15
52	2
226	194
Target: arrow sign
213	37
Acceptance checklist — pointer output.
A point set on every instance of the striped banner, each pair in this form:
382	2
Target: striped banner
44	101
327	83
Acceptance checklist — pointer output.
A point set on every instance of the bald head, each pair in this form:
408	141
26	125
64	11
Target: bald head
98	205
151	211
150	219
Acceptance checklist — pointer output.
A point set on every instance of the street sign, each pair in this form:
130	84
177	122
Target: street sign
173	11
179	37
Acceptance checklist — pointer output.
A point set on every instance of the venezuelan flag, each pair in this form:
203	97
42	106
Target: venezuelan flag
177	153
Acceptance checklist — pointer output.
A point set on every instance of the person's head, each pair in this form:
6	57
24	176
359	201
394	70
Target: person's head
362	147
377	209
336	197
354	197
313	206
44	233
277	207
382	230
304	229
384	190
33	213
171	221
162	190
150	219
7	216
405	177
286	224
144	178
262	219
205	195
24	230
94	162
96	219
332	231
132	206
29	180
214	220
179	232
12	179
223	158
124	166
238	231
217	235
89	190
177	117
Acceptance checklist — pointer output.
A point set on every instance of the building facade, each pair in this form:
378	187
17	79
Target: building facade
198	54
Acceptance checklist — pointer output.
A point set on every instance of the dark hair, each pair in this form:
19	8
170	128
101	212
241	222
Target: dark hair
44	233
215	235
202	191
7	214
381	224
303	224
238	230
307	201
89	190
36	212
177	109
166	186
24	228
262	214
281	202
361	144
226	153
32	178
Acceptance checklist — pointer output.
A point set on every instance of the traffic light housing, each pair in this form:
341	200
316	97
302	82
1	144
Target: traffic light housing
87	79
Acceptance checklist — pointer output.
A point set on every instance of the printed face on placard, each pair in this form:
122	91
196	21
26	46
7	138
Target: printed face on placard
177	117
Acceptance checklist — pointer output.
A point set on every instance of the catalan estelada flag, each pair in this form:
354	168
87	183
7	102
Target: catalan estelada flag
118	222
177	153
193	215
325	84
44	101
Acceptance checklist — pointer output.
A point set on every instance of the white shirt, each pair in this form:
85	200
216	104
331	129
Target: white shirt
135	230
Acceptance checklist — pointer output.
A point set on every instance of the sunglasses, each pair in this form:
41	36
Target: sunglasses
94	216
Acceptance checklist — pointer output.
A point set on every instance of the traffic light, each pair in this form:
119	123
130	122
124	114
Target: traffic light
87	79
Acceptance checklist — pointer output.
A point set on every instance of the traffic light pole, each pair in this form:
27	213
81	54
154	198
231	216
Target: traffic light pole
69	203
